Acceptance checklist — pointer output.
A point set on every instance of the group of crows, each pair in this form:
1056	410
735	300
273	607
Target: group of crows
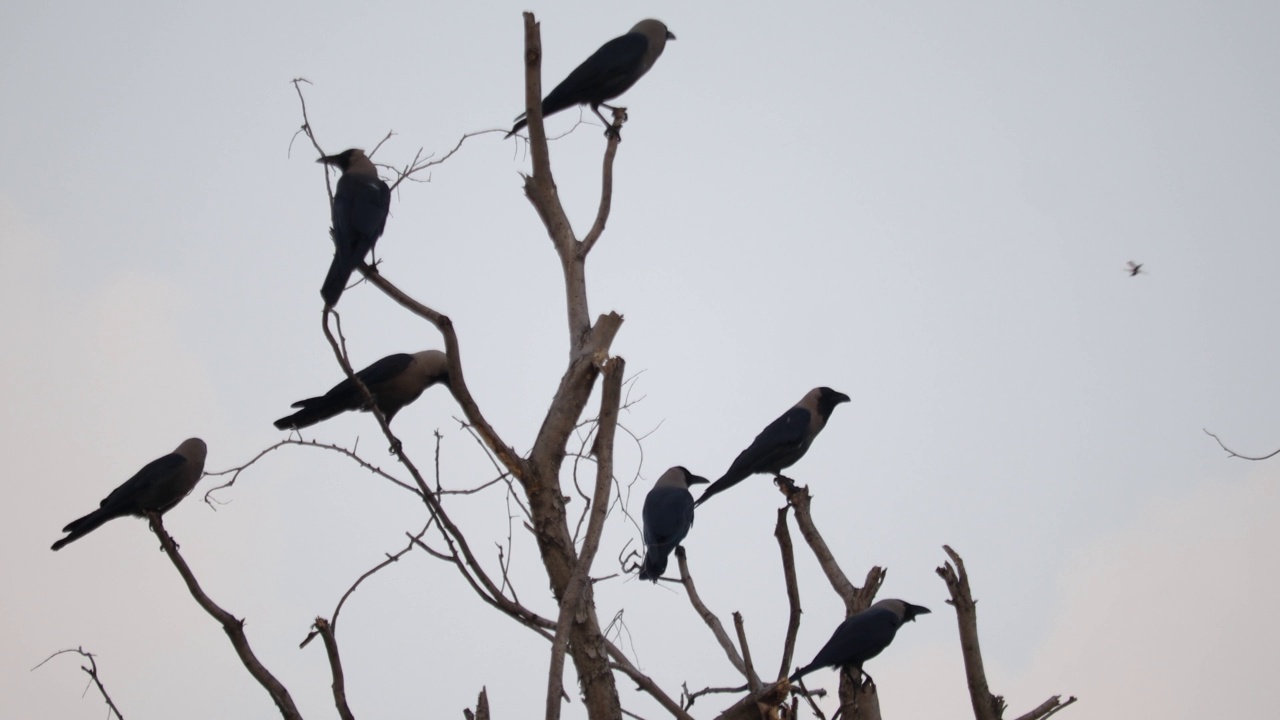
668	517
361	202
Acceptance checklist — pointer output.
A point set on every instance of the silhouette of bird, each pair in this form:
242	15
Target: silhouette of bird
783	442
609	72
1134	269
394	381
157	487
668	515
862	636
360	206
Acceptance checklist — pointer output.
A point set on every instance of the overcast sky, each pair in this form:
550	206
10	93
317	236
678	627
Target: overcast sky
927	206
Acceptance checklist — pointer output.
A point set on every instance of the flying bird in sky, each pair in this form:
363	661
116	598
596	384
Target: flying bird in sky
783	442
862	636
668	515
1134	269
394	381
360	206
609	72
157	487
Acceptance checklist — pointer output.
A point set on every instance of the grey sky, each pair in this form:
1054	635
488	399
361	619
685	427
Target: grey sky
928	207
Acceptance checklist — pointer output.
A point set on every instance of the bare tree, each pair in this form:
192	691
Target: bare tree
536	482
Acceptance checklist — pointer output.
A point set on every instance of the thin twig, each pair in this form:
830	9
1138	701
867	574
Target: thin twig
235	471
92	672
1235	454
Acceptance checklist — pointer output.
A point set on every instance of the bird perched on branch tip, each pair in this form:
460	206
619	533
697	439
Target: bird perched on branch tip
783	442
360	206
609	72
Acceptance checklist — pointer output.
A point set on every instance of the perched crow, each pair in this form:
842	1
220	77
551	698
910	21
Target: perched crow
609	72
360	206
783	442
668	515
394	381
157	487
862	636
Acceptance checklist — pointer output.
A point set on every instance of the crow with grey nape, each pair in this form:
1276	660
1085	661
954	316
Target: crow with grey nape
157	487
609	72
394	381
862	636
783	442
668	515
360	206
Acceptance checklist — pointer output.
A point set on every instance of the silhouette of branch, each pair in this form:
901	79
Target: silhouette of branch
753	680
621	664
708	617
325	629
986	705
236	471
482	707
92	672
233	627
752	706
1047	708
1235	454
610	401
606	189
858	700
457	381
783	535
692	697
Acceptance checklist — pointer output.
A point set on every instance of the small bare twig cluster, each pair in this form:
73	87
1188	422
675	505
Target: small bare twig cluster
92	672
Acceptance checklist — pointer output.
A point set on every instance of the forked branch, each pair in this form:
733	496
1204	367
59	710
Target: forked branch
92	672
986	706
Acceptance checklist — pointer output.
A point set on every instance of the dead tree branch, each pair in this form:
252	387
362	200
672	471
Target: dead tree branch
92	672
588	351
759	706
857	700
482	707
708	617
620	663
986	705
233	627
457	381
1235	454
236	471
855	599
1047	708
783	535
610	401
325	629
753	680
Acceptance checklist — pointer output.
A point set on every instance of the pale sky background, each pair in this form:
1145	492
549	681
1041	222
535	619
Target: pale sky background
927	206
